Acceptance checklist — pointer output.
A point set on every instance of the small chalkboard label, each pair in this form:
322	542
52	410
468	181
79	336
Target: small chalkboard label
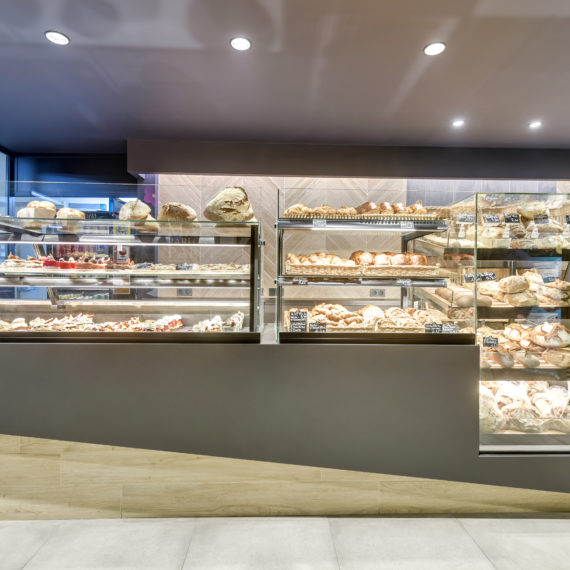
407	225
448	328
465	218
567	219
298	321
541	219
404	282
317	327
481	276
491	341
512	219
492	219
434	328
548	278
318	223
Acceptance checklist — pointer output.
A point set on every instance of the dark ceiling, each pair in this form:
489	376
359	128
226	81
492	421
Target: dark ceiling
334	71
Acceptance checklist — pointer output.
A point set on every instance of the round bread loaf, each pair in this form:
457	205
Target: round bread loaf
134	210
176	212
230	205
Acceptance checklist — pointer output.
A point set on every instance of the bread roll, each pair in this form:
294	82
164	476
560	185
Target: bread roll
399	208
417	208
43	205
385	208
382	258
400	259
176	212
559	358
134	210
148	225
418	259
346	211
230	205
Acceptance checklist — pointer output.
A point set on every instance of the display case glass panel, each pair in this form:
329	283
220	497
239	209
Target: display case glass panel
522	255
354	273
134	280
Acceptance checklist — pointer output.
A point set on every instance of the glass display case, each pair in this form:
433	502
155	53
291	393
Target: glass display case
98	280
352	273
522	253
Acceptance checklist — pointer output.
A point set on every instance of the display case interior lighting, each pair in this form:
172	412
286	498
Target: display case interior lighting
435	48
240	43
57	38
536	124
458	123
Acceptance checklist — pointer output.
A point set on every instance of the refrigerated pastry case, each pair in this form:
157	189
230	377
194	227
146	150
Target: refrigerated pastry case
352	274
129	280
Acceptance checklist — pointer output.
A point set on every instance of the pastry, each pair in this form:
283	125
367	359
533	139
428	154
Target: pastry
230	205
298	210
382	258
324	210
385	208
347	211
417	208
513	284
366	207
362	257
399	208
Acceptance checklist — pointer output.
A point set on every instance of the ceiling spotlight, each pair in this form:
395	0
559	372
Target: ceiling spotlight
241	44
435	48
458	123
535	124
57	38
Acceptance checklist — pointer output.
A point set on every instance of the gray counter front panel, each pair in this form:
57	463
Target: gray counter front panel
398	409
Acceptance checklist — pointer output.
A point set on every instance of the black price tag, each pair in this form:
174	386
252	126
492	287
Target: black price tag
512	219
491	341
542	219
567	219
548	278
492	219
317	327
404	282
465	218
434	328
482	276
297	321
448	328
318	223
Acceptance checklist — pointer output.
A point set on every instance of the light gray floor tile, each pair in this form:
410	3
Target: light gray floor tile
364	544
262	544
20	540
116	544
523	544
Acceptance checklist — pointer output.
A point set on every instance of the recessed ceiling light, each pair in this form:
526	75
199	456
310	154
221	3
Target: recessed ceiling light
241	44
57	38
536	124
435	48
458	123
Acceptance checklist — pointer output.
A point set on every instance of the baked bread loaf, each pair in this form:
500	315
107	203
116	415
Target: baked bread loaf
362	257
176	212
551	335
148	225
70	214
385	208
230	205
559	357
513	284
347	211
36	209
524	299
531	209
399	208
134	210
417	208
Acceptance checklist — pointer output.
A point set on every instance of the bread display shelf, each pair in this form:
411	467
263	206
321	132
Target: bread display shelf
122	274
358	217
404	271
366	222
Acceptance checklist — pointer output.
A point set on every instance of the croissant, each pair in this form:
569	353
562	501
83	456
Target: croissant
362	257
366	207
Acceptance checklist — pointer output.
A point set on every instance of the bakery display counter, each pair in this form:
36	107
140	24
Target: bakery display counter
522	273
129	280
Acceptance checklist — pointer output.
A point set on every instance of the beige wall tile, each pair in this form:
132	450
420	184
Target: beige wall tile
261	498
